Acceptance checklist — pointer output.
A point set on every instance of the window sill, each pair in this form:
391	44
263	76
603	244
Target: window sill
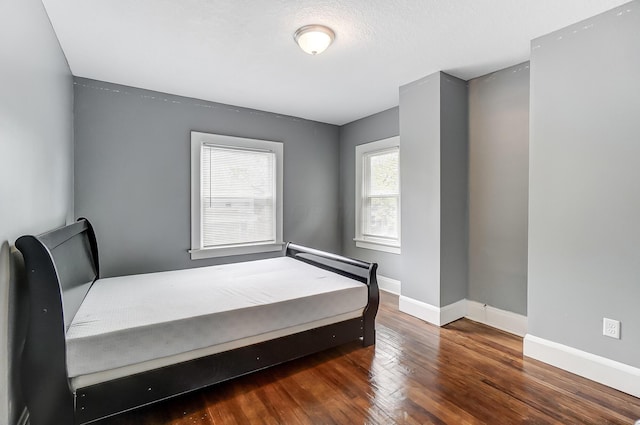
199	254
376	246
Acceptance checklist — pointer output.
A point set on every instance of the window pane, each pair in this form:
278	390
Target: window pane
382	217
384	173
238	196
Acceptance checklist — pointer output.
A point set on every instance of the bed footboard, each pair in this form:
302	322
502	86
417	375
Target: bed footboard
354	269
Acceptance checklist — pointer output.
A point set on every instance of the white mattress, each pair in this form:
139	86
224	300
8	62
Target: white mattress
128	320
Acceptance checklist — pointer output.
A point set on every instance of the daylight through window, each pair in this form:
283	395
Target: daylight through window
378	195
382	195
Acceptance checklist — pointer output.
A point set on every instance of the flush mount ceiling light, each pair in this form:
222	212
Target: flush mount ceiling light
314	39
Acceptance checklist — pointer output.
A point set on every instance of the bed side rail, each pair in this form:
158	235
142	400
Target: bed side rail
349	267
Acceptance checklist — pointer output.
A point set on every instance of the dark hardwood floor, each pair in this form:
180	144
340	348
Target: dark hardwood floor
463	373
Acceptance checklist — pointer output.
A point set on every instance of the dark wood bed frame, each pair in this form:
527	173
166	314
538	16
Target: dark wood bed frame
61	266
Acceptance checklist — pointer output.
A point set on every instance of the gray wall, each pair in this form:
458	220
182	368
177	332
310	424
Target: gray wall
375	127
499	188
36	102
433	158
132	173
420	180
584	202
454	166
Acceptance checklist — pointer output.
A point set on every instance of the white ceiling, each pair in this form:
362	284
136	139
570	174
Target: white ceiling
241	52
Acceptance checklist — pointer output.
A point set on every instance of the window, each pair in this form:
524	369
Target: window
236	195
378	195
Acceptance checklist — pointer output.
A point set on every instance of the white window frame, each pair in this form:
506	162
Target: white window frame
360	239
197	250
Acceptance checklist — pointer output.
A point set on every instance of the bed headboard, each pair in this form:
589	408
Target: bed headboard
60	267
67	256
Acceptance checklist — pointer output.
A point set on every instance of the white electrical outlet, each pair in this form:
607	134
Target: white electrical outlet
611	328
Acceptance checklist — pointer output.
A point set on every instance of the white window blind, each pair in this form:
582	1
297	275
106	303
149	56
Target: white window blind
238	196
381	193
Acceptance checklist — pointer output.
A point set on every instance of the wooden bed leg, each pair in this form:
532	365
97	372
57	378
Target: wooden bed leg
369	317
369	337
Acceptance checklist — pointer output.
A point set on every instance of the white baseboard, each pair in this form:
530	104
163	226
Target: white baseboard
452	312
501	319
438	316
418	309
609	372
389	285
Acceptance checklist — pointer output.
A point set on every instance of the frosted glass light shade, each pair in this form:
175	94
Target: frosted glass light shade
314	39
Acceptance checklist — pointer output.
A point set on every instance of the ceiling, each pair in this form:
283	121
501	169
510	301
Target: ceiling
241	52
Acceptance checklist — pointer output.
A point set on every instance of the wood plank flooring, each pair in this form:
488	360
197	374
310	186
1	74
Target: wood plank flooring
463	373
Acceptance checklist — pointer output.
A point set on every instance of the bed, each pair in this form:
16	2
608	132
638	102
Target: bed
96	346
